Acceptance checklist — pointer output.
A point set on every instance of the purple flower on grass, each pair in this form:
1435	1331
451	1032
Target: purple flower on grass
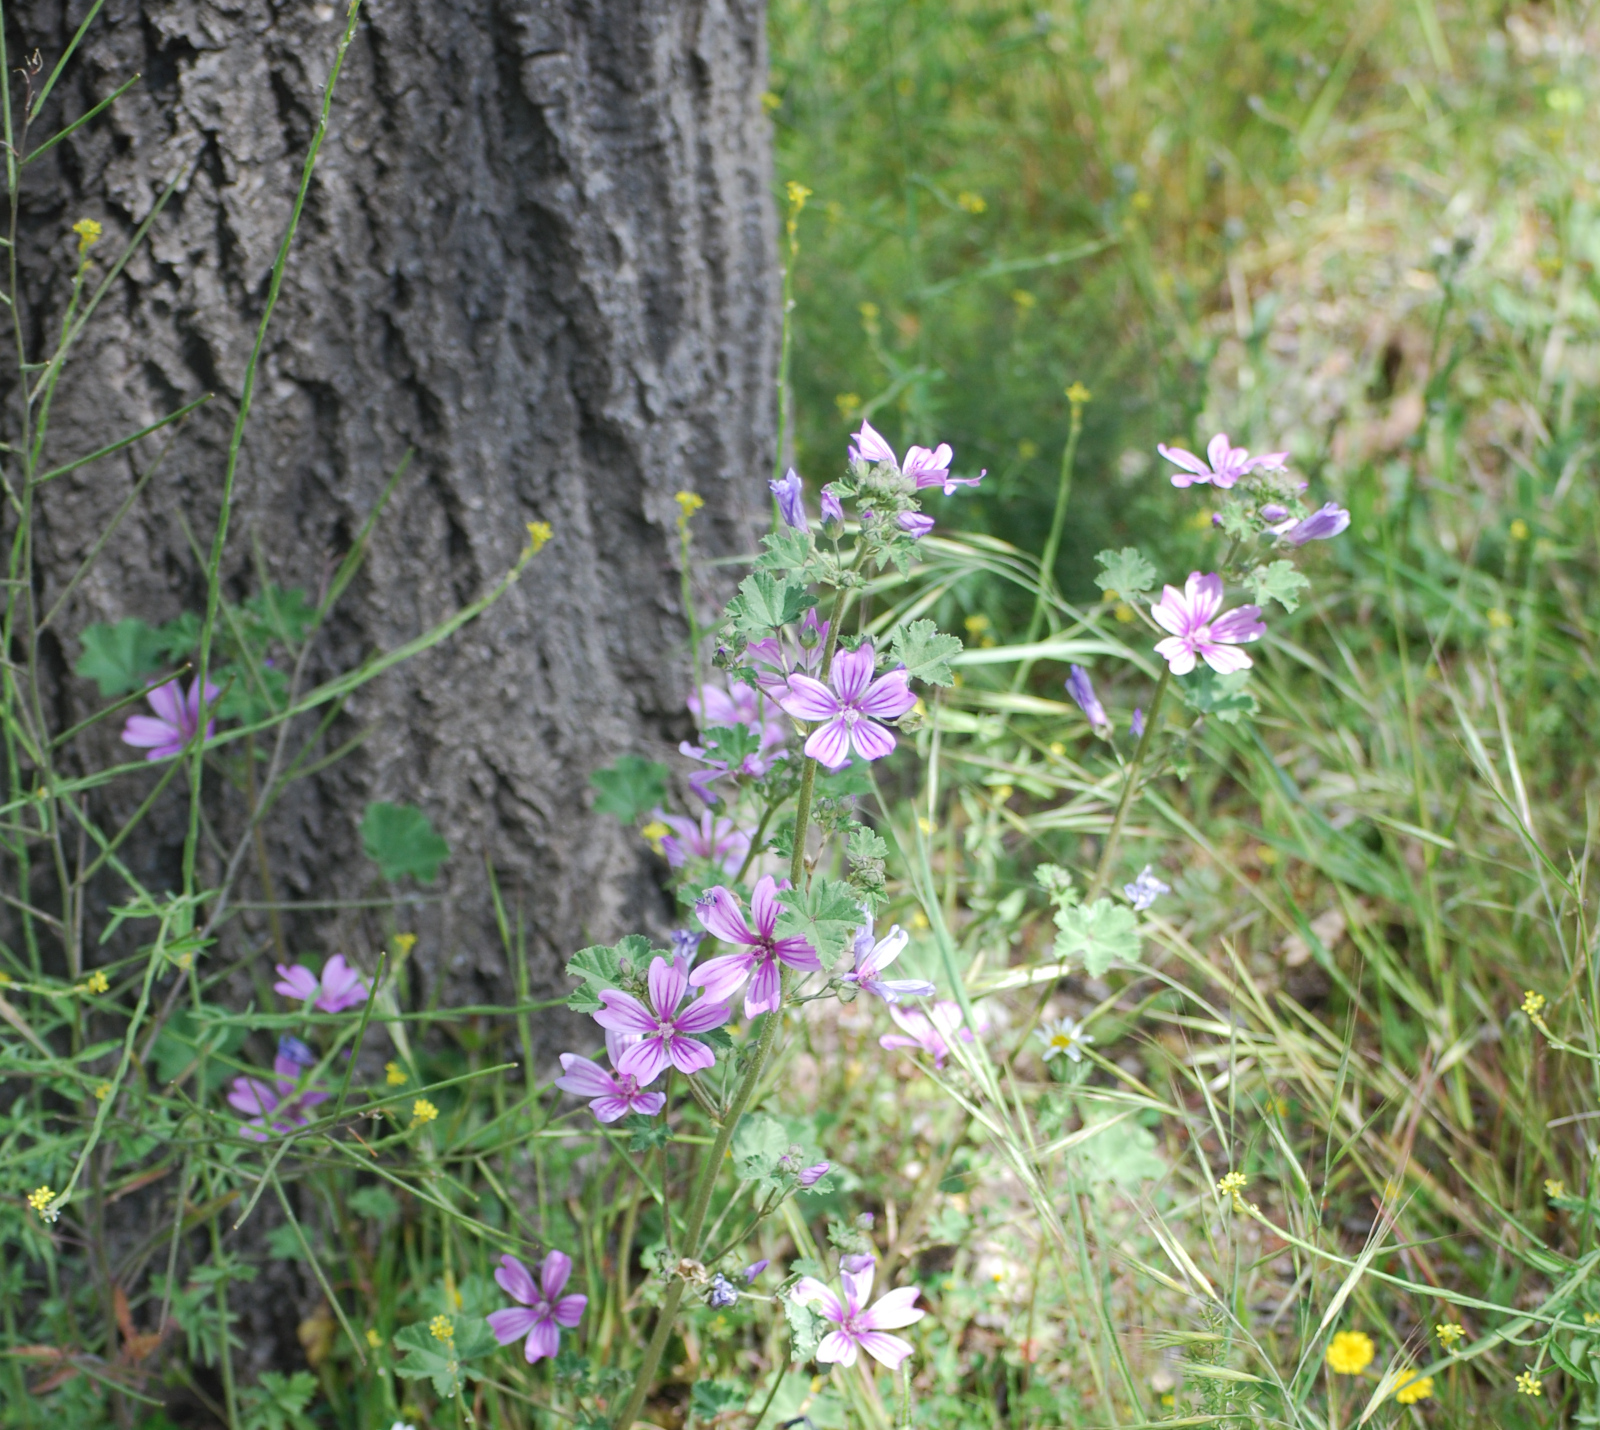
931	1033
1145	890
832	510
278	1106
722	1292
176	719
1136	725
926	468
860	1327
611	1095
1197	629
755	1268
772	664
851	708
544	1310
720	840
1228	463
760	949
810	1176
914	523
712	705
1327	521
340	986
872	958
685	942
1081	689
666	1032
790	493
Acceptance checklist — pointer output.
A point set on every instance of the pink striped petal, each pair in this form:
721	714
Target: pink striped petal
871	741
145	731
297	982
810	699
811	1292
644	1061
668	983
702	1016
830	746
1243	623
797	953
568	1311
764	906
722	977
1224	659
888	697
894	1309
624	1013
543	1340
1177	654
512	1324
852	672
583	1078
1204	595
720	917
766	989
516	1281
553	1273
689	1055
887	1350
837	1348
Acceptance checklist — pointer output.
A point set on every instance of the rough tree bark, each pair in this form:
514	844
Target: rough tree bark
539	250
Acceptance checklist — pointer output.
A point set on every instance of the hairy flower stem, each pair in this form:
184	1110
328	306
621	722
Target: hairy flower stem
1052	545
1102	874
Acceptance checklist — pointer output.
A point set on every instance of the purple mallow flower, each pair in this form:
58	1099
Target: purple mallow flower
872	958
544	1310
1198	631
722	1292
832	510
685	942
1326	522
851	708
915	524
790	493
930	1033
760	949
1136	725
1081	689
810	1176
1145	890
720	840
176	719
1273	512
711	705
926	468
860	1327
611	1095
340	986
277	1107
1228	463
771	662
755	1268
665	1032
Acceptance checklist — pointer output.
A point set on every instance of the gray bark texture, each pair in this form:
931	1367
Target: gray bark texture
539	250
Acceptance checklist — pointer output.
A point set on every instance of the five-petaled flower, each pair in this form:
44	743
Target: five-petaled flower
1350	1352
281	1105
423	1111
720	840
544	1310
860	1326
340	986
1228	463
930	1033
1064	1035
175	722
1145	890
1197	629
666	1032
872	958
851	709
1410	1387
611	1094
760	948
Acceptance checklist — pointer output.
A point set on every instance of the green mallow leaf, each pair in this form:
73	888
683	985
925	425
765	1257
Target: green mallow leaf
645	1134
925	651
764	603
278	1402
757	1145
400	839
825	913
1127	572
601	967
1280	582
710	1398
1103	933
787	550
806	1328
444	1361
118	658
1223	696
279	615
631	788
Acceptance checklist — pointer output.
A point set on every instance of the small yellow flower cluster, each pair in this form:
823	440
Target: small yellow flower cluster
423	1111
88	232
1411	1387
1529	1384
654	832
971	202
404	943
539	532
39	1199
1591	1318
94	983
1231	1185
1350	1352
443	1328
1532	1003
798	194
1554	1187
688	504
1519	530
1077	394
102	1091
393	1074
373	1338
1449	1332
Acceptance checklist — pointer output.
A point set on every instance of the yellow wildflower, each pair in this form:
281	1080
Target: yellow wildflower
1449	1332
423	1111
40	1198
971	202
88	232
443	1328
770	101
373	1338
1023	299
1350	1353
393	1074
1499	619
1077	394
655	832
1057	748
1554	1187
1413	1388
689	503
1123	612
798	194
976	624
102	1091
1529	1384
1532	1003
848	403
94	983
404	943
539	532
1519	530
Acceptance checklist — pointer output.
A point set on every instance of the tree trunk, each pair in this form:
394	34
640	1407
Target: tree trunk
540	250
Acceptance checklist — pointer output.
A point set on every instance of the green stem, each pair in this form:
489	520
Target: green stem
1052	545
1103	873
